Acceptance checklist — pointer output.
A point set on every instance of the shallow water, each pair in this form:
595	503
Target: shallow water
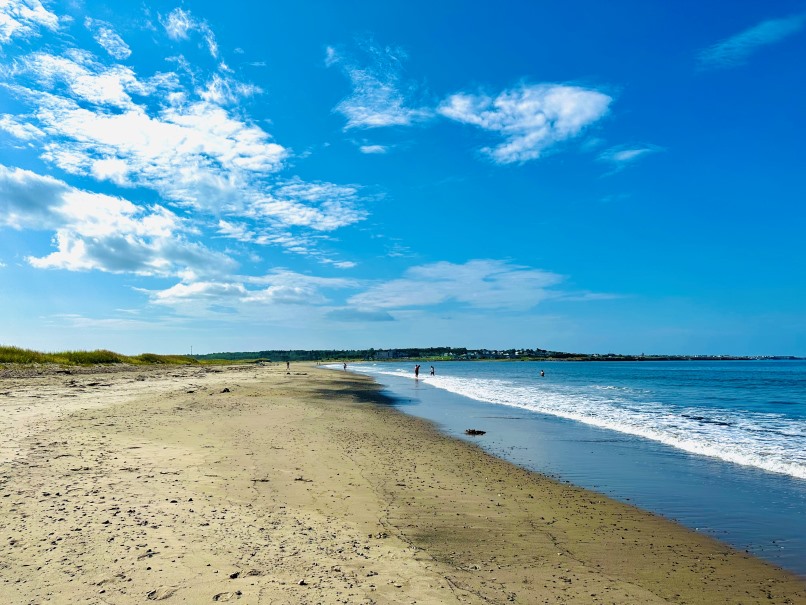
718	446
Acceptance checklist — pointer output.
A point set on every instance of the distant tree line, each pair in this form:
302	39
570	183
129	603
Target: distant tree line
335	354
449	354
372	354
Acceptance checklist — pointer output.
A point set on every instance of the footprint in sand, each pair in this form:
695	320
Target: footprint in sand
160	594
227	596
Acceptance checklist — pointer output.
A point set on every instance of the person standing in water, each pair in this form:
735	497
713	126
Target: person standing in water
432	371
417	370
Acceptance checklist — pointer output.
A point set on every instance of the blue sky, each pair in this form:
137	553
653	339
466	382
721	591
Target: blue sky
580	176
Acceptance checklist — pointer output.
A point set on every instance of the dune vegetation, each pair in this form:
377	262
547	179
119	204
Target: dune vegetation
9	354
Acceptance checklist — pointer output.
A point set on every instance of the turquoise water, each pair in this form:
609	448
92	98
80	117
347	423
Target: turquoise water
718	446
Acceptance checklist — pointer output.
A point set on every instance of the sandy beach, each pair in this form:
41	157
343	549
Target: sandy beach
257	485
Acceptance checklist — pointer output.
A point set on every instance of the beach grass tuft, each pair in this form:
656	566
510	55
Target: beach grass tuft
149	358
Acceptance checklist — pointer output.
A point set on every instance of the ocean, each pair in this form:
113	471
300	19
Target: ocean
718	446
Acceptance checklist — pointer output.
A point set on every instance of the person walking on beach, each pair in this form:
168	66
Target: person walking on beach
417	371
345	366
287	365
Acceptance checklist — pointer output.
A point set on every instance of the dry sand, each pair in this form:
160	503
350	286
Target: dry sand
254	485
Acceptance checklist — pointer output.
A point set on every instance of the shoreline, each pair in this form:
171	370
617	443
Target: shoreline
527	422
247	483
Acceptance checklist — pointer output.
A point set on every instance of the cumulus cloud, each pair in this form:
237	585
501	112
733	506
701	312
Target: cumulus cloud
736	49
24	18
95	231
380	96
530	118
29	200
106	36
484	284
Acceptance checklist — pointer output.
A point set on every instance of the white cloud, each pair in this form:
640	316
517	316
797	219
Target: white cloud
331	56
180	23
196	153
319	206
106	36
735	50
373	149
530	118
345	264
78	76
111	169
201	290
487	284
359	315
622	156
135	250
280	287
226	91
29	200
19	129
23	18
237	231
178	137
94	231
380	97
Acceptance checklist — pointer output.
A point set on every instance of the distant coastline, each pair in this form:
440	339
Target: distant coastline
443	354
17	355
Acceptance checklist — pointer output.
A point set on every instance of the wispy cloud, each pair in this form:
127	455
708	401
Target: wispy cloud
358	315
622	156
24	18
106	36
339	264
380	96
240	293
735	50
180	23
196	153
530	118
373	149
486	284
193	152
19	129
178	134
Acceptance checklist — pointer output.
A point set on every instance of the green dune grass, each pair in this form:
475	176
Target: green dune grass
18	355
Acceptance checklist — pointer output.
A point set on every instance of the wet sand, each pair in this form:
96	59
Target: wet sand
250	484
